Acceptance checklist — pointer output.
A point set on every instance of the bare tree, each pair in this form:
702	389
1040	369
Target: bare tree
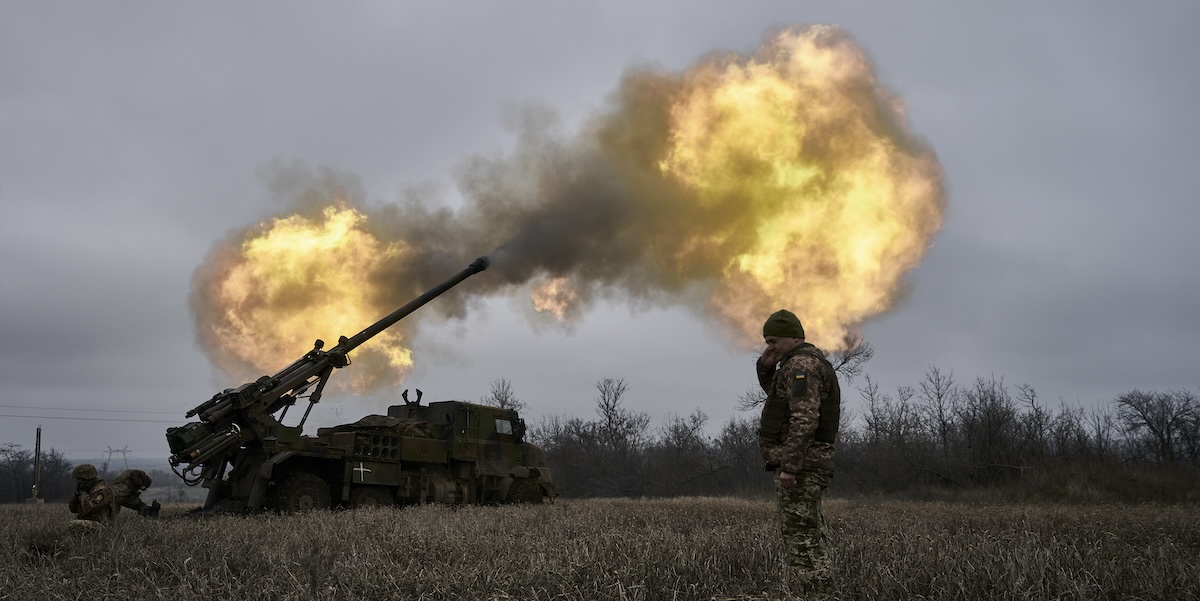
939	402
609	402
684	435
1068	435
1157	421
849	363
621	429
1102	427
16	472
684	458
502	396
894	440
1190	434
753	397
573	447
1035	423
987	416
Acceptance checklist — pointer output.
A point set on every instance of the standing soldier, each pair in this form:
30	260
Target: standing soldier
127	490
796	436
93	499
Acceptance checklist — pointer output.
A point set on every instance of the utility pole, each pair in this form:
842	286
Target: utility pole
37	467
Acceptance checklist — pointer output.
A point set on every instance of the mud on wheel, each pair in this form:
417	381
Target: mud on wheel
525	490
370	496
302	491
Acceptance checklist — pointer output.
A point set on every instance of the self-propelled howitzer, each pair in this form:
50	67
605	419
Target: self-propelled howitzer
248	459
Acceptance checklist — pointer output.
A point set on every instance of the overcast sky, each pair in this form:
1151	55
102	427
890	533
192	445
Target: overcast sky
134	136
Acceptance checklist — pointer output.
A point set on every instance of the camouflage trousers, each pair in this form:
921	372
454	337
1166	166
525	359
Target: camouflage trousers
808	565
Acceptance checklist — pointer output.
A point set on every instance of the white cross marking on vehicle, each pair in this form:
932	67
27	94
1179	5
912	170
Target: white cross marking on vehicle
362	472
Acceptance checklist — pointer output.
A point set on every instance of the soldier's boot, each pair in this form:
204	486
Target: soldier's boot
150	511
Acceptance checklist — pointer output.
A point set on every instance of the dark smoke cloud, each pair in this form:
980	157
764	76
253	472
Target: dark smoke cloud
592	208
595	208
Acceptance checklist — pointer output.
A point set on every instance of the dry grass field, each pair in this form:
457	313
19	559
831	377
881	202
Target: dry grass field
694	548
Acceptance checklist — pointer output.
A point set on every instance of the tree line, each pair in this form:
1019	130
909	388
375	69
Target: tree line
936	437
933	439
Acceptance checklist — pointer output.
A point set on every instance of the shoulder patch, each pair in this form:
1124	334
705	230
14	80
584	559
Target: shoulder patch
799	383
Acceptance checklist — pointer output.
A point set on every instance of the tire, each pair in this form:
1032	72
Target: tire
302	491
525	490
370	496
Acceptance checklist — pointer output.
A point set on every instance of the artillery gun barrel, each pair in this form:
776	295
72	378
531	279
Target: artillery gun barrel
350	344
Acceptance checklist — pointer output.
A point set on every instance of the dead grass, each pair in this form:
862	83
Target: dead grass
606	549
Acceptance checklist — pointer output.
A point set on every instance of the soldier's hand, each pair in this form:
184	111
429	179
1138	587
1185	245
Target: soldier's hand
769	357
787	479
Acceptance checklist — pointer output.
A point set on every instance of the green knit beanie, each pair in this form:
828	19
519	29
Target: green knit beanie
783	324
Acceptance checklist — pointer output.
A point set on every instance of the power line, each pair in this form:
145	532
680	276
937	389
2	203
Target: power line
85	419
327	422
82	409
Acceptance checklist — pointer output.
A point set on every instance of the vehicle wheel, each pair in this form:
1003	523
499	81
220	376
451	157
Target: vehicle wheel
302	491
370	496
525	490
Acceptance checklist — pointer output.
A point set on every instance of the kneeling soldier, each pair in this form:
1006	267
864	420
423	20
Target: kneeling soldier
93	499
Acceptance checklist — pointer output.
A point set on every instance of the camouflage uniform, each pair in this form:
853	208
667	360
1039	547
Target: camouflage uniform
796	435
127	489
93	499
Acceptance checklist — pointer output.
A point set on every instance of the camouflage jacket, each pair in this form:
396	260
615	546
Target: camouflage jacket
93	500
126	489
800	416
